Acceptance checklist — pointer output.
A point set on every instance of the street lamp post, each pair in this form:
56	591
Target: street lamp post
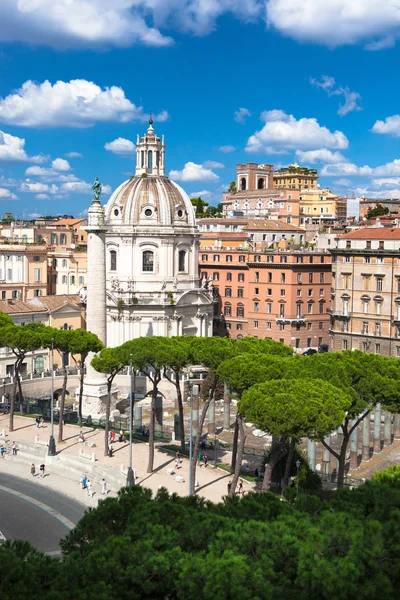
4	390
190	438
298	463
130	476
52	441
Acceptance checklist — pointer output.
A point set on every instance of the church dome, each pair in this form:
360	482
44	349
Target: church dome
151	200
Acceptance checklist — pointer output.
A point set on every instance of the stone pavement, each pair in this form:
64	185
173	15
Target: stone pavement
212	482
390	455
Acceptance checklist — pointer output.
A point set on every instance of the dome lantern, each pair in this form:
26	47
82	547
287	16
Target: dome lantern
150	151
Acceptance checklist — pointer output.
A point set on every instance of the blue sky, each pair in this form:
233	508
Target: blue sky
270	80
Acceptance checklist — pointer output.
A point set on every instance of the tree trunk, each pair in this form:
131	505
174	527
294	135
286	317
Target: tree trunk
108	410
200	430
240	451
269	467
235	443
150	465
62	403
181	423
21	398
12	403
289	462
81	378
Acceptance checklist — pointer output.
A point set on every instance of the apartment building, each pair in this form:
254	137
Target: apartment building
279	294
23	271
318	206
61	312
365	312
295	177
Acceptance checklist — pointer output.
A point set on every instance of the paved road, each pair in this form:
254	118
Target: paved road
31	512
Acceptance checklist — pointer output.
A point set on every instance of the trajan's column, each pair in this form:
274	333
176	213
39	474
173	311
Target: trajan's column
95	384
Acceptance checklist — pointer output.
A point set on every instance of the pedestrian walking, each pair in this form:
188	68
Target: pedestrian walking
240	487
104	489
229	487
121	436
14	449
33	470
41	422
41	469
203	444
37	422
205	459
2	451
89	491
199	461
110	450
178	456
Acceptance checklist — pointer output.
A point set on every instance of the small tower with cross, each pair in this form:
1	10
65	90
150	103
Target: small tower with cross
150	151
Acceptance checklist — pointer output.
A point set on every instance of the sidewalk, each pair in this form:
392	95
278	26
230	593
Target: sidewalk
212	482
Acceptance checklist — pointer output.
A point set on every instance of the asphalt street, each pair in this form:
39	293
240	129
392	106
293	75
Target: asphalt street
34	513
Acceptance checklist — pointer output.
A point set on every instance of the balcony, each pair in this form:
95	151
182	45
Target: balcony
291	320
340	314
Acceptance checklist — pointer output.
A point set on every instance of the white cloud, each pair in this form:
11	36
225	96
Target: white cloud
227	149
348	169
83	213
60	164
193	172
200	194
82	187
391	126
90	23
37	187
7	195
343	182
74	155
386	181
336	22
283	132
213	164
328	84
12	149
241	114
41	197
320	156
57	171
121	146
77	103
374	193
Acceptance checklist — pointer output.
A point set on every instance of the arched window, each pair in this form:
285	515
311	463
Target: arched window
182	261
228	309
148	261
260	184
243	183
142	158
240	310
113	260
63	239
150	159
39	364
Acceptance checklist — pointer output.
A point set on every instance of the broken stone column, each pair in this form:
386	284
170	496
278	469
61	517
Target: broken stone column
311	454
354	447
396	426
195	416
377	429
227	408
211	418
138	418
366	438
326	457
388	428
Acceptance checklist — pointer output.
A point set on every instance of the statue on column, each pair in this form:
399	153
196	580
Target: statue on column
97	187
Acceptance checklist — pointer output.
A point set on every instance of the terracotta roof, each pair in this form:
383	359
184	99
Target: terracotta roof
373	233
269	225
207	220
69	222
17	306
52	303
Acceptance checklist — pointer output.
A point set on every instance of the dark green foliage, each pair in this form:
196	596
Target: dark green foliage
378	211
141	547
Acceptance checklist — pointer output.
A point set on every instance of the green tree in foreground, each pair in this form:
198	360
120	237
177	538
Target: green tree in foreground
293	410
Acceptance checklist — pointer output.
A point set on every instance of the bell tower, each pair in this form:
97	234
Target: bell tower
150	151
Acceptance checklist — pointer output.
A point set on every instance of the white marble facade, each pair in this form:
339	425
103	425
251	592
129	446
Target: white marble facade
151	249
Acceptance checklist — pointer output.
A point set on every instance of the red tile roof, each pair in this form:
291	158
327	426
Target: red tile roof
373	233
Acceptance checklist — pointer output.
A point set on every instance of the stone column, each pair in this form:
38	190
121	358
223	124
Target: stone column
388	428
377	429
311	454
366	435
176	420
227	408
95	384
211	418
138	417
159	415
326	457
396	426
354	447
